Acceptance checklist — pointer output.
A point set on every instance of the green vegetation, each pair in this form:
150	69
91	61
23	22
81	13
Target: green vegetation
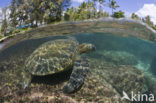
22	30
31	13
113	5
146	20
34	13
84	11
27	14
4	22
38	12
1	36
135	16
119	14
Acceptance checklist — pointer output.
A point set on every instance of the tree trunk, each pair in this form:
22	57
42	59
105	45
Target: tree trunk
112	12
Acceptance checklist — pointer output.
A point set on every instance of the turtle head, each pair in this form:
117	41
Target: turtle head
86	48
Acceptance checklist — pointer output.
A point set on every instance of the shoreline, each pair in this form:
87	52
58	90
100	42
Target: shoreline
5	41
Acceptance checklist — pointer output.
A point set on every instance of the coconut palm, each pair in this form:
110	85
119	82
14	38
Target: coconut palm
113	5
4	21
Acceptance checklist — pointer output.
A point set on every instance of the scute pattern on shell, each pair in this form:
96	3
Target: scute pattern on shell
52	57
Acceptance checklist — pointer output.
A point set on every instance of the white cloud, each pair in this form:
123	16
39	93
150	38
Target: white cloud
148	9
79	1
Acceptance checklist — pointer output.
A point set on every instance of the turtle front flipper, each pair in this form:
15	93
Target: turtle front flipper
25	79
78	75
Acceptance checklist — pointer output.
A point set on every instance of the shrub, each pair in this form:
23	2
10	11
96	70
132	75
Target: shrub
119	14
1	36
135	16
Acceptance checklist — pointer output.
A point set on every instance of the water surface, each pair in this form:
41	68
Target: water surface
143	50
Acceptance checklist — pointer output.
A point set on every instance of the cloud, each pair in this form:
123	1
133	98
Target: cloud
148	9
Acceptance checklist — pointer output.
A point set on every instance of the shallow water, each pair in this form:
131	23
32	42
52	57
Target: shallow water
143	50
123	52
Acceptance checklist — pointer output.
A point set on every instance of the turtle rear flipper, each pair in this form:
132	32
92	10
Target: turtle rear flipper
78	75
25	79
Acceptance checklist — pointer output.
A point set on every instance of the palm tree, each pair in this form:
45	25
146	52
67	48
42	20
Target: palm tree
100	8
148	20
13	14
94	8
89	8
101	2
135	16
4	21
113	5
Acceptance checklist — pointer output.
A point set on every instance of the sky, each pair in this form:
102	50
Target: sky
140	7
4	3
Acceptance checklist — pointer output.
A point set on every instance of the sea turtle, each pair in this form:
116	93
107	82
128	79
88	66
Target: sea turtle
57	56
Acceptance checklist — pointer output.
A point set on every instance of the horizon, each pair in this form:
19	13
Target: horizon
141	7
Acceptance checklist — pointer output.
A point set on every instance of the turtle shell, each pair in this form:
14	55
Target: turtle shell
52	57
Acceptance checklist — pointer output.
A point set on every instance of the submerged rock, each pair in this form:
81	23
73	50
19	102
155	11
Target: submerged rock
122	78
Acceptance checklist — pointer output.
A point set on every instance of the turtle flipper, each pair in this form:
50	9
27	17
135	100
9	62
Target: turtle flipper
78	75
25	79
